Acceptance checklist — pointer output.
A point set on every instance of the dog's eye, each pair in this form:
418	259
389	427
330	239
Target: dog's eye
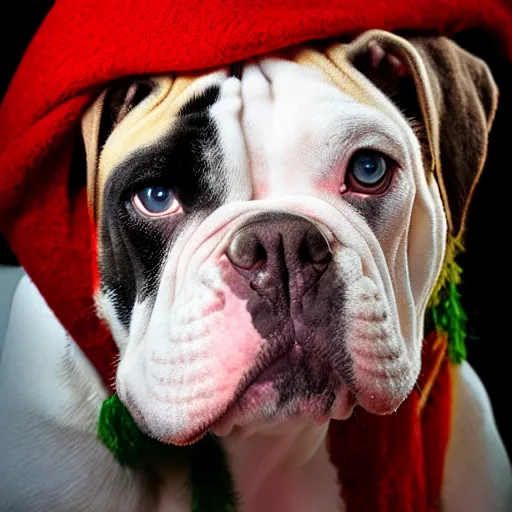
368	172
156	201
368	167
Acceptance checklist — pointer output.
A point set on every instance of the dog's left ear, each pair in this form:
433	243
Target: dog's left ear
450	92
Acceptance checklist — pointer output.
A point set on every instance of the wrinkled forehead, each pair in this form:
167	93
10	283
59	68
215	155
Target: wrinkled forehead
173	96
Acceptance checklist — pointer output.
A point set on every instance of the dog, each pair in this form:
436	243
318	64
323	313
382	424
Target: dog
268	237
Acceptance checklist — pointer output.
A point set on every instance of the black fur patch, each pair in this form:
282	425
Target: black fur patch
134	247
317	327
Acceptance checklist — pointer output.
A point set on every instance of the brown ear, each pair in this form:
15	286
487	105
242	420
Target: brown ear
450	92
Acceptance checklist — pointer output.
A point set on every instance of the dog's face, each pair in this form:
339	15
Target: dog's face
268	237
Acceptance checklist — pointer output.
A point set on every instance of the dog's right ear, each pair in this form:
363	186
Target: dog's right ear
101	118
450	92
91	127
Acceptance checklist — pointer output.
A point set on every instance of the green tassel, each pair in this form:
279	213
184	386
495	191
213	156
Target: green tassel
119	433
210	480
449	317
445	308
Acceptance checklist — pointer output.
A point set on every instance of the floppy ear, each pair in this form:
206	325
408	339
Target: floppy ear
453	96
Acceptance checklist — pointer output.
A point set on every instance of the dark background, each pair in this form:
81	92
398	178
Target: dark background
486	290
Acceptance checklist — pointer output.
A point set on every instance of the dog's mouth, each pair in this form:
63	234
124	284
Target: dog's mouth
273	393
285	388
252	396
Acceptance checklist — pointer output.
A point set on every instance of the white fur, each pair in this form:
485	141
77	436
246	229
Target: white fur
478	475
50	397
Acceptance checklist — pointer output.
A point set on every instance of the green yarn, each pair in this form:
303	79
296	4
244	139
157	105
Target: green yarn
449	317
119	433
445	309
210	481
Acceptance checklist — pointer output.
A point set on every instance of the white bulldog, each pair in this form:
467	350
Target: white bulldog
269	236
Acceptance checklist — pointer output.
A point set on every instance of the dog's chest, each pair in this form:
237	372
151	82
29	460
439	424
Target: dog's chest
270	475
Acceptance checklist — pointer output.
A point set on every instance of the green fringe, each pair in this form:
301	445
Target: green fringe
119	433
210	480
211	484
445	310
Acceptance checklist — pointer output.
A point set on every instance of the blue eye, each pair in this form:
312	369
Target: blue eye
155	201
368	167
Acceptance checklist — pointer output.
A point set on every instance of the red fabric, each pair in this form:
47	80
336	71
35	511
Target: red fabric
395	463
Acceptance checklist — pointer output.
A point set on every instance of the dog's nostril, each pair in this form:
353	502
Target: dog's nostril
314	248
246	252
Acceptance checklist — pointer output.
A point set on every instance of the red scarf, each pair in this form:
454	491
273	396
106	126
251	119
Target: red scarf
396	464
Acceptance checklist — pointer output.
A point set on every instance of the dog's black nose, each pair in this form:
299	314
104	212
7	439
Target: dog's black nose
280	250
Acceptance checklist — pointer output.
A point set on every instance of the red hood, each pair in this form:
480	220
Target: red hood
83	45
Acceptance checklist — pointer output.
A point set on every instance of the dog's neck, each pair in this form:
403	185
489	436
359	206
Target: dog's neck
274	470
283	468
